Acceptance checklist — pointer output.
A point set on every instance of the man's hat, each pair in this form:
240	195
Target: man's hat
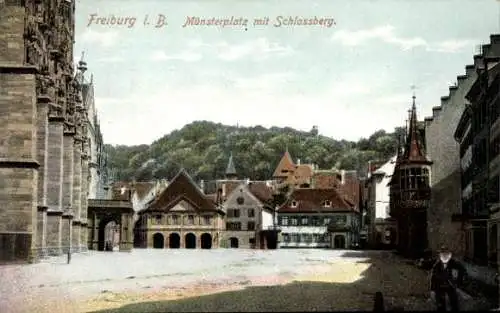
444	249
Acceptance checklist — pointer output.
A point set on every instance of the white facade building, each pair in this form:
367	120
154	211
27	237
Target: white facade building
382	228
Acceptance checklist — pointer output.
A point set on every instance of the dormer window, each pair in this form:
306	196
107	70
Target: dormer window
327	203
293	204
240	200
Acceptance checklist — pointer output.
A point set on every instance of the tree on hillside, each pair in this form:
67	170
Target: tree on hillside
203	149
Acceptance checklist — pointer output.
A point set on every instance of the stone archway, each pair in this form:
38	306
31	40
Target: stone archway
100	213
174	241
339	242
206	241
190	241
106	232
233	242
158	241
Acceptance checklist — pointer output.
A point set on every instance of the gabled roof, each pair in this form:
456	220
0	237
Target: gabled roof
310	200
351	190
182	187
261	191
285	165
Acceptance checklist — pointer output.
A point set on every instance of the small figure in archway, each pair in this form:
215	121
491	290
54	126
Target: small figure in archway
447	275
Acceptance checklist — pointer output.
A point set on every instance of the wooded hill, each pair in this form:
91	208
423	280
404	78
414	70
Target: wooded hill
203	149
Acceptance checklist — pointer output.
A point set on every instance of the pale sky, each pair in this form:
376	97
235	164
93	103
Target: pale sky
350	79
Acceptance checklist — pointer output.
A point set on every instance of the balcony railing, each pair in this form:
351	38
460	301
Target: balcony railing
273	227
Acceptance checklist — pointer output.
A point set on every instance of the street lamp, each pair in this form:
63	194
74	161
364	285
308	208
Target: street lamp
69	235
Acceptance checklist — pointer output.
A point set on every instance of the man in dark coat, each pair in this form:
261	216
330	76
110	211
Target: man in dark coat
447	275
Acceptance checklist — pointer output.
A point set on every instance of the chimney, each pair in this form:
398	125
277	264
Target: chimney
247	181
122	190
298	161
202	185
223	190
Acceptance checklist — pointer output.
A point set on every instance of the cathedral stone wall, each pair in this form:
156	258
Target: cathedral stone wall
43	132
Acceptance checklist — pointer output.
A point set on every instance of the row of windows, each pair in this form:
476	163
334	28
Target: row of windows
325	203
237	212
177	220
237	226
311	220
414	178
476	205
305	237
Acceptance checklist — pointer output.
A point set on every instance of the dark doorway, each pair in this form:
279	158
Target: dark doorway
140	233
107	235
339	242
174	241
190	241
272	240
158	241
206	241
480	238
233	242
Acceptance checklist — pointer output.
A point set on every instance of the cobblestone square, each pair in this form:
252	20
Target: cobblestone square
255	280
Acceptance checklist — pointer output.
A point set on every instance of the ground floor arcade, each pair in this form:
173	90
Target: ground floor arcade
180	238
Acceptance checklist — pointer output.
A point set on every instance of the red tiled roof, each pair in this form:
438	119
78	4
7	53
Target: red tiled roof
261	191
351	189
286	164
414	150
311	200
212	197
182	187
302	174
325	180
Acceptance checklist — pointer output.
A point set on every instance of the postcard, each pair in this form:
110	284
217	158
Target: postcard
266	155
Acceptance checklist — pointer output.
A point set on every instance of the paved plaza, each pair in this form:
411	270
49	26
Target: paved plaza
214	280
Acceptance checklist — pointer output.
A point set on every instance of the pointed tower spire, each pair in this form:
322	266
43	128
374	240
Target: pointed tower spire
414	151
285	166
231	169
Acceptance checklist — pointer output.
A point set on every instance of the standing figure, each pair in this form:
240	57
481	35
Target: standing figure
447	275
